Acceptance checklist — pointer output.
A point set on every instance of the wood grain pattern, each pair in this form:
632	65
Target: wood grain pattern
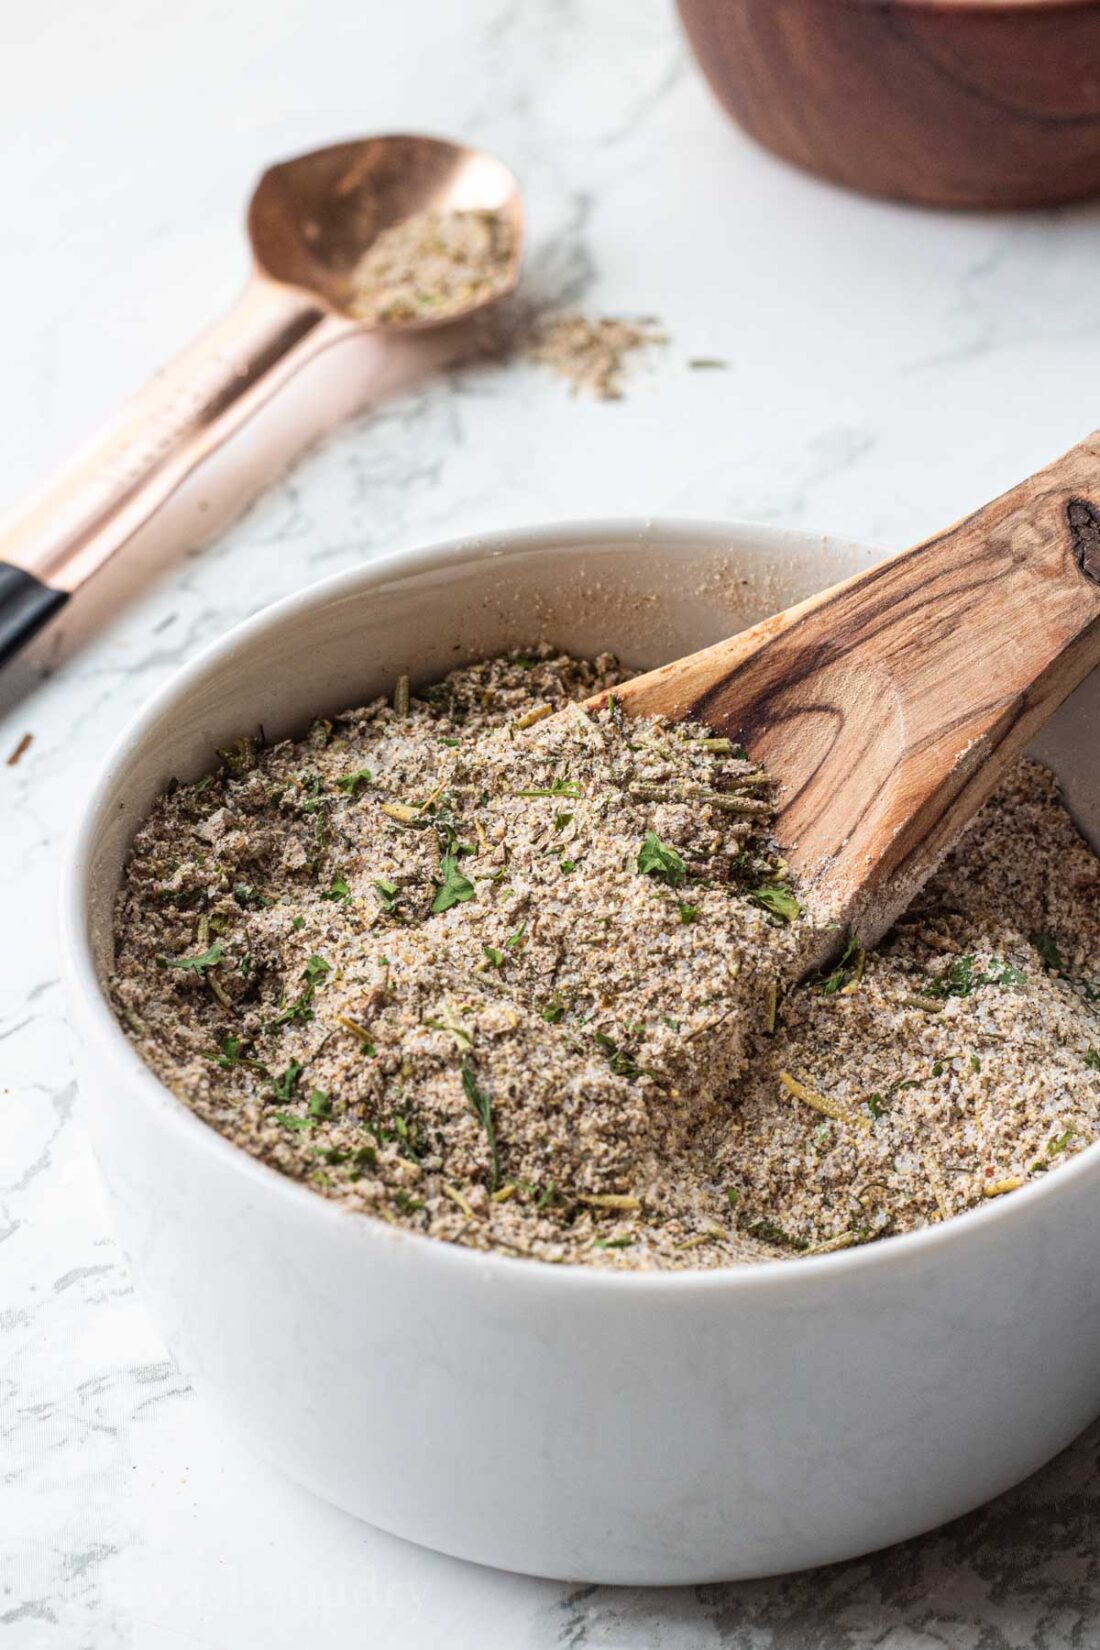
947	102
888	707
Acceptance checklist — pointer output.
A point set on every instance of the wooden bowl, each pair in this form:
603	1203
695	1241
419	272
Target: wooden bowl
967	103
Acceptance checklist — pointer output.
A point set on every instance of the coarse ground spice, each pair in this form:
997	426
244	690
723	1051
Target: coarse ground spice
435	265
431	266
520	981
964	1052
590	352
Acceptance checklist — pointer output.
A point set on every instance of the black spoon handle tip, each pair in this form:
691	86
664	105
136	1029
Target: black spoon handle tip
25	605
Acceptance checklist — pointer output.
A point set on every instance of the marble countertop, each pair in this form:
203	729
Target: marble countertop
887	370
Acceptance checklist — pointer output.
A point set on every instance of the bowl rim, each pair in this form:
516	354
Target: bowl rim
97	1020
993	9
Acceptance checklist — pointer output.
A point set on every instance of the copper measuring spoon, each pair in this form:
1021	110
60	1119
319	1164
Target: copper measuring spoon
309	221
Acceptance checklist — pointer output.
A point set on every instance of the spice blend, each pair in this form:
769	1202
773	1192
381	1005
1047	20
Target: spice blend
519	975
431	266
590	353
435	265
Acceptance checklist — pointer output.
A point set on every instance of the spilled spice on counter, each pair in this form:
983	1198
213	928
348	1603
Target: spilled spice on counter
517	975
591	353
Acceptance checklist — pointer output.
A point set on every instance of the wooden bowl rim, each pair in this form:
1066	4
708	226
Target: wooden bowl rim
991	7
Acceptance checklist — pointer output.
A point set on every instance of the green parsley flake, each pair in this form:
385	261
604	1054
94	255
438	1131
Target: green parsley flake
319	1103
656	859
481	1106
283	1087
777	899
351	783
387	893
197	965
454	888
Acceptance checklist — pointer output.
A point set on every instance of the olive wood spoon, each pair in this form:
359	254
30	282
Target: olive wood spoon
887	708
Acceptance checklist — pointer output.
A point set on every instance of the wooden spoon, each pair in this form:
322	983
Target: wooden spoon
887	708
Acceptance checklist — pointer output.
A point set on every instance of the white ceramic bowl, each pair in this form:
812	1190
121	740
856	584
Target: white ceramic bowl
577	1424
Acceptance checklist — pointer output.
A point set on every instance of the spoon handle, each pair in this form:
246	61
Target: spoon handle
888	707
117	483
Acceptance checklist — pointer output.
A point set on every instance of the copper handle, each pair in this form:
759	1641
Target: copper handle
114	486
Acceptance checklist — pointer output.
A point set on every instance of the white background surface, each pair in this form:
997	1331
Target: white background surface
888	369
